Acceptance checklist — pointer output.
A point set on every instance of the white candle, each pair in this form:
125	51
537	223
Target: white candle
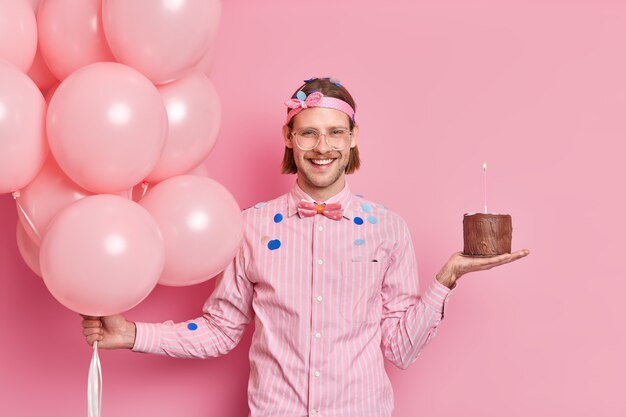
485	184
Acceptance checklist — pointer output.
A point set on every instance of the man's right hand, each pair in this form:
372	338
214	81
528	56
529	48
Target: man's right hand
111	332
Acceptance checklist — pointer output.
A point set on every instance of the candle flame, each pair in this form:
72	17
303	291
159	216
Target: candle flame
485	165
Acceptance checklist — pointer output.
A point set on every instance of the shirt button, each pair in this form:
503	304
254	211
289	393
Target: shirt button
320	228
319	262
317	373
320	298
318	335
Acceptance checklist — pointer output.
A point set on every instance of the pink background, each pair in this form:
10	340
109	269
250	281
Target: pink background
536	89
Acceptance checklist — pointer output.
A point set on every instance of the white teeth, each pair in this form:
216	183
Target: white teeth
321	161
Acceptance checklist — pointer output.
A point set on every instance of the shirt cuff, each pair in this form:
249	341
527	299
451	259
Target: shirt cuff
436	296
147	338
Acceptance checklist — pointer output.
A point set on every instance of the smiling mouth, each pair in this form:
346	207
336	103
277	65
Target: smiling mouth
322	162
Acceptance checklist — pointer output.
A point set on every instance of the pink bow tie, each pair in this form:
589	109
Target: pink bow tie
332	211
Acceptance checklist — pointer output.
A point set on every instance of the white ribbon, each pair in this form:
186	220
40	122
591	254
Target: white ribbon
144	186
94	385
16	195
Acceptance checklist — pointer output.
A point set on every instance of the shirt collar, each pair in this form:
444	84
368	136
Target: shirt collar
344	197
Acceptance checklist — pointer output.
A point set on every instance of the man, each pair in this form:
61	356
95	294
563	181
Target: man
330	278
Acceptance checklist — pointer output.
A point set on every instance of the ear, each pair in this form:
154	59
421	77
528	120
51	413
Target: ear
287	137
355	135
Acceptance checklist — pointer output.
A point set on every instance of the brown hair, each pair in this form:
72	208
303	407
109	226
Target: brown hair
330	89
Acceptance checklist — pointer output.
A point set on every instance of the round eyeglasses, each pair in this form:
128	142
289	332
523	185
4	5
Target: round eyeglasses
336	138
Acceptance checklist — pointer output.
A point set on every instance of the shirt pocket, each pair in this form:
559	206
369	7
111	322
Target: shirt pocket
360	292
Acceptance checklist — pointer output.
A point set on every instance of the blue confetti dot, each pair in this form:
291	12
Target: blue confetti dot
359	242
278	218
367	208
358	220
335	81
273	244
192	326
372	219
301	95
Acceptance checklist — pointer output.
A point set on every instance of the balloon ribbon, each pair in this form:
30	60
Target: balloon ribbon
94	385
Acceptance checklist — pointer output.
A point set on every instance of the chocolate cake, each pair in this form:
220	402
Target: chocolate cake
486	234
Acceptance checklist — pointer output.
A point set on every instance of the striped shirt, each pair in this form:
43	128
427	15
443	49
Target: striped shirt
330	300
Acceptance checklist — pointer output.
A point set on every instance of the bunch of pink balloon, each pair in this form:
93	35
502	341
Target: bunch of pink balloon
104	169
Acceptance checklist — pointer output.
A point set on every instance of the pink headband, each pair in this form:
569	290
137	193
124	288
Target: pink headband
316	99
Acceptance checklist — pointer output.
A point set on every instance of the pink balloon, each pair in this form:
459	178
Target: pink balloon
71	35
194	113
201	170
162	39
102	255
18	33
40	73
139	190
202	227
29	250
42	199
23	147
206	62
35	5
106	127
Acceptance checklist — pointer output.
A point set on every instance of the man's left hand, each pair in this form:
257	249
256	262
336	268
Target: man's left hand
459	265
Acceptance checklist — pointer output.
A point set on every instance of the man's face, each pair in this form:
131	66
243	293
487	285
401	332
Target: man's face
322	167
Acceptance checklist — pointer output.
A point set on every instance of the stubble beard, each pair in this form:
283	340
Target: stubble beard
326	181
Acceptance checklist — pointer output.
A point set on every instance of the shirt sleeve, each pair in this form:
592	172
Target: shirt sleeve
409	321
216	332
